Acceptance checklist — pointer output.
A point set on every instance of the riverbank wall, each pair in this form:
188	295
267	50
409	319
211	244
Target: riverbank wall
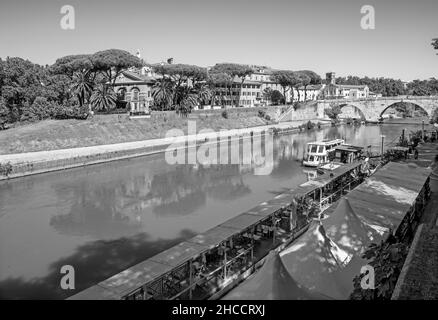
30	163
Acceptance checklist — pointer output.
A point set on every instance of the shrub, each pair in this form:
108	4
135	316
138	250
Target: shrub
5	169
387	259
310	125
267	117
262	114
225	114
4	114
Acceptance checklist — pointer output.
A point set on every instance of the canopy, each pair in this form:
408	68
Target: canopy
314	260
272	282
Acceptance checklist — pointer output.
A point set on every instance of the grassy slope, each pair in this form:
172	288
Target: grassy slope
107	129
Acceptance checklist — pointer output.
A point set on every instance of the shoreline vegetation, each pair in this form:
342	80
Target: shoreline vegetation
56	145
117	128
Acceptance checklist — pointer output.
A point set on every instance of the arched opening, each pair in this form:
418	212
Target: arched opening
121	98
350	111
404	110
135	100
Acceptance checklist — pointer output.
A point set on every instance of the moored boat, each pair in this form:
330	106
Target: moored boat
318	152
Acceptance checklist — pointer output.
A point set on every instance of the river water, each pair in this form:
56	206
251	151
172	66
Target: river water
104	218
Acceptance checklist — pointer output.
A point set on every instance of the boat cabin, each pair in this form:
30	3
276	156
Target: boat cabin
318	152
347	153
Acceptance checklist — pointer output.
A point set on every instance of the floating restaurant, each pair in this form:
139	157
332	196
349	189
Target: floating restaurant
212	263
326	258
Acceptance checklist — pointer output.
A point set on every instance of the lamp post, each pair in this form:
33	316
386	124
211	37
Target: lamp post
381	147
422	129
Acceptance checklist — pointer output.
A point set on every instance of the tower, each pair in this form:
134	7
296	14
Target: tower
330	78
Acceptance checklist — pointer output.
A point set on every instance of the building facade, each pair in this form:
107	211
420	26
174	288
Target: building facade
134	87
341	91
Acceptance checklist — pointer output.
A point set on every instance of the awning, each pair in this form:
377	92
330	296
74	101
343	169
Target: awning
272	282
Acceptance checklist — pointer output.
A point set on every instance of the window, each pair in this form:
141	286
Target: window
135	94
313	148
321	149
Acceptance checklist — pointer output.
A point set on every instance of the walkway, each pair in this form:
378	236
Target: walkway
419	277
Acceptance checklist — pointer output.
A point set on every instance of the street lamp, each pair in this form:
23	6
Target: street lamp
383	139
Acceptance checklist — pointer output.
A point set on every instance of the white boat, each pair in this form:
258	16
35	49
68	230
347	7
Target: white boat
318	152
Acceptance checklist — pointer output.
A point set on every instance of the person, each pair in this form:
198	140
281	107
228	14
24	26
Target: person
416	154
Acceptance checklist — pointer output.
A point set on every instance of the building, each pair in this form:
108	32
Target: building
246	94
311	92
341	91
134	88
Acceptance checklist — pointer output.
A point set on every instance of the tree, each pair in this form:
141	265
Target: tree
385	86
4	114
435	43
71	64
82	73
277	98
180	75
103	98
309	77
203	92
219	82
333	112
112	62
434	117
82	86
234	70
22	82
286	79
163	92
267	94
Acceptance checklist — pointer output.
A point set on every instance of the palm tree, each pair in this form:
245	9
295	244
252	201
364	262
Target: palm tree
162	92
103	98
203	92
267	95
82	86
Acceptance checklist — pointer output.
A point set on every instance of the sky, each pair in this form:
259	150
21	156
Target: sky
318	35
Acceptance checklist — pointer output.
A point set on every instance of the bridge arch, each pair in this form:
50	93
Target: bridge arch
391	104
357	107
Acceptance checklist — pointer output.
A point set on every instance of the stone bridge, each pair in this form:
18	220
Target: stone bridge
371	108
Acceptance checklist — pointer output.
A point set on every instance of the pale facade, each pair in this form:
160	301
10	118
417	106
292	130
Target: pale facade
247	94
342	91
135	88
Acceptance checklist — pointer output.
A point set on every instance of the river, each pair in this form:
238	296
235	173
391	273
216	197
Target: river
104	218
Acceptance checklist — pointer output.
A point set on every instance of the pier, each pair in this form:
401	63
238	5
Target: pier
322	262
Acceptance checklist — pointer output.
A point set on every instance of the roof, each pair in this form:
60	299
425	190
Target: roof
179	254
350	148
213	237
323	179
311	87
136	77
327	142
127	281
96	292
314	259
351	86
272	282
385	198
242	221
